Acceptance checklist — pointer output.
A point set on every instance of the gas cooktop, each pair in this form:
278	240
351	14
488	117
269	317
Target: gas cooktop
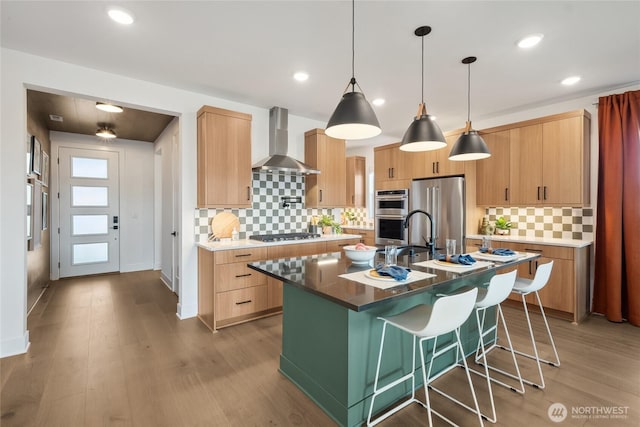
283	236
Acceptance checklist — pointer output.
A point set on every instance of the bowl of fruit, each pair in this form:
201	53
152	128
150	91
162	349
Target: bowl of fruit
360	253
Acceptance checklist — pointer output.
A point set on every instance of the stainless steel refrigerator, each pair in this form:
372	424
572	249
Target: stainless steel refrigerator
444	199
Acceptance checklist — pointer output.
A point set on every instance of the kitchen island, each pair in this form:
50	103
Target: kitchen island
331	335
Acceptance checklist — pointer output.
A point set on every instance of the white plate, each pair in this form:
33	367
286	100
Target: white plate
452	264
383	278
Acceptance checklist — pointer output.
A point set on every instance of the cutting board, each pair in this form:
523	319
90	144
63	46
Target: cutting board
222	225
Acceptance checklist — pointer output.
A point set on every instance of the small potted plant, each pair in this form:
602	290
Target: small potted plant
329	225
503	226
349	217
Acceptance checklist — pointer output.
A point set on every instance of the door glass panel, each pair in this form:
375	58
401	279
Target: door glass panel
89	224
83	167
84	253
89	196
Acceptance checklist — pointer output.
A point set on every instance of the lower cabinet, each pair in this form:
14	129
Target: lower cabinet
566	295
229	292
368	236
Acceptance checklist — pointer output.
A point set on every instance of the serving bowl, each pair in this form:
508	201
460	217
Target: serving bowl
360	256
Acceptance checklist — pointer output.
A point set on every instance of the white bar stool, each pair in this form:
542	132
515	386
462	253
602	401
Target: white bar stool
499	288
427	322
524	287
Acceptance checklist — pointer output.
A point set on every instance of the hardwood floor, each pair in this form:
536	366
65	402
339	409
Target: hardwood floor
109	350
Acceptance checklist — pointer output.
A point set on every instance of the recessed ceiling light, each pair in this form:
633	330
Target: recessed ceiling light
121	16
530	41
55	118
571	80
109	108
301	76
105	133
378	102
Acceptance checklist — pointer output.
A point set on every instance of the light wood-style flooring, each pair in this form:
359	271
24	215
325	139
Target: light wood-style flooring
109	350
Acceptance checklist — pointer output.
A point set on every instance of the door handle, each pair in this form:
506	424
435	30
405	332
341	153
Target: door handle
174	233
115	227
544	192
538	193
506	194
248	193
320	195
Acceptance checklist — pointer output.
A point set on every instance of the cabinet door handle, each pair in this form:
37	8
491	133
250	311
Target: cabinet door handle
320	195
343	244
243	302
248	193
544	192
243	275
529	268
242	255
353	199
506	194
437	167
538	193
433	167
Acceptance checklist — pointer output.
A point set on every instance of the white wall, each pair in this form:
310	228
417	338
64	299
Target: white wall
18	71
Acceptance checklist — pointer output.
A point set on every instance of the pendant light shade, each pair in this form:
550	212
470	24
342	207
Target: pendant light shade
470	145
354	117
105	133
423	133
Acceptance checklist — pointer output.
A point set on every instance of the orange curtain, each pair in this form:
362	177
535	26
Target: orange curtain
617	256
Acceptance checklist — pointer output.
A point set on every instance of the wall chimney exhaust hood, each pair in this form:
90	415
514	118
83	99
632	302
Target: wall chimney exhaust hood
278	161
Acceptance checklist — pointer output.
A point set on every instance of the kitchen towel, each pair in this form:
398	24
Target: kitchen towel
361	277
498	251
454	268
456	259
397	272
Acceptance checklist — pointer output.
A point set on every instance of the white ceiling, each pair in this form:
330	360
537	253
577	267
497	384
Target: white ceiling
247	51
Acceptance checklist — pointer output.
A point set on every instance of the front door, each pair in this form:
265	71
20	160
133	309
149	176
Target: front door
89	212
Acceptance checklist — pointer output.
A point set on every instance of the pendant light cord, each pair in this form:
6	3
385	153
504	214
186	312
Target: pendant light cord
353	45
468	92
422	68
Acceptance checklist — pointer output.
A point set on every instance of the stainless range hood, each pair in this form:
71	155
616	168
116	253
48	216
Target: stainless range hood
278	161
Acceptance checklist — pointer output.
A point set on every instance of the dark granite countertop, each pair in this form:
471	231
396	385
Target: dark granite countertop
319	274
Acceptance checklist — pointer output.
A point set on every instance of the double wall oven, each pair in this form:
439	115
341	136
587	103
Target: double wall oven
391	209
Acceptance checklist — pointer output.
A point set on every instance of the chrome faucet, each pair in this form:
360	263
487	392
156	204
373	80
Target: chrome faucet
431	243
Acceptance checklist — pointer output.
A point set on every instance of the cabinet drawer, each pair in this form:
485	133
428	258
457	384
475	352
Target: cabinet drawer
337	245
300	249
559	252
237	276
240	302
241	255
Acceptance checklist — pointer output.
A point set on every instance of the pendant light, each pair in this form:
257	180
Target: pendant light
423	133
105	132
354	117
470	145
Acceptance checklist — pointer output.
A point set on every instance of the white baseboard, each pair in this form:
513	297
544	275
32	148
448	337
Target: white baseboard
14	346
186	312
127	268
166	281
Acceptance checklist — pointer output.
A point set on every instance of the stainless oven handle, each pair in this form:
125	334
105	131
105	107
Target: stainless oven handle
401	217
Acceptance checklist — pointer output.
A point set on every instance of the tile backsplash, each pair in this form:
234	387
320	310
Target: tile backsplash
267	214
559	223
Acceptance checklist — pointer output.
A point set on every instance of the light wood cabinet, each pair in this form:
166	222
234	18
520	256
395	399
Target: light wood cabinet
229	292
436	163
492	174
566	295
548	163
224	158
356	171
328	155
393	169
368	236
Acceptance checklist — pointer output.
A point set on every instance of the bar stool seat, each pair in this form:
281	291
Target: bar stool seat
524	287
426	322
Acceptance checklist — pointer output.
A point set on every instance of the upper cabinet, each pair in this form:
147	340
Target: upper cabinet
492	174
326	190
546	161
436	163
393	168
224	158
356	181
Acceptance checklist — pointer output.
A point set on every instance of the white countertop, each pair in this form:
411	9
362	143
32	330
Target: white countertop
249	243
538	240
358	227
